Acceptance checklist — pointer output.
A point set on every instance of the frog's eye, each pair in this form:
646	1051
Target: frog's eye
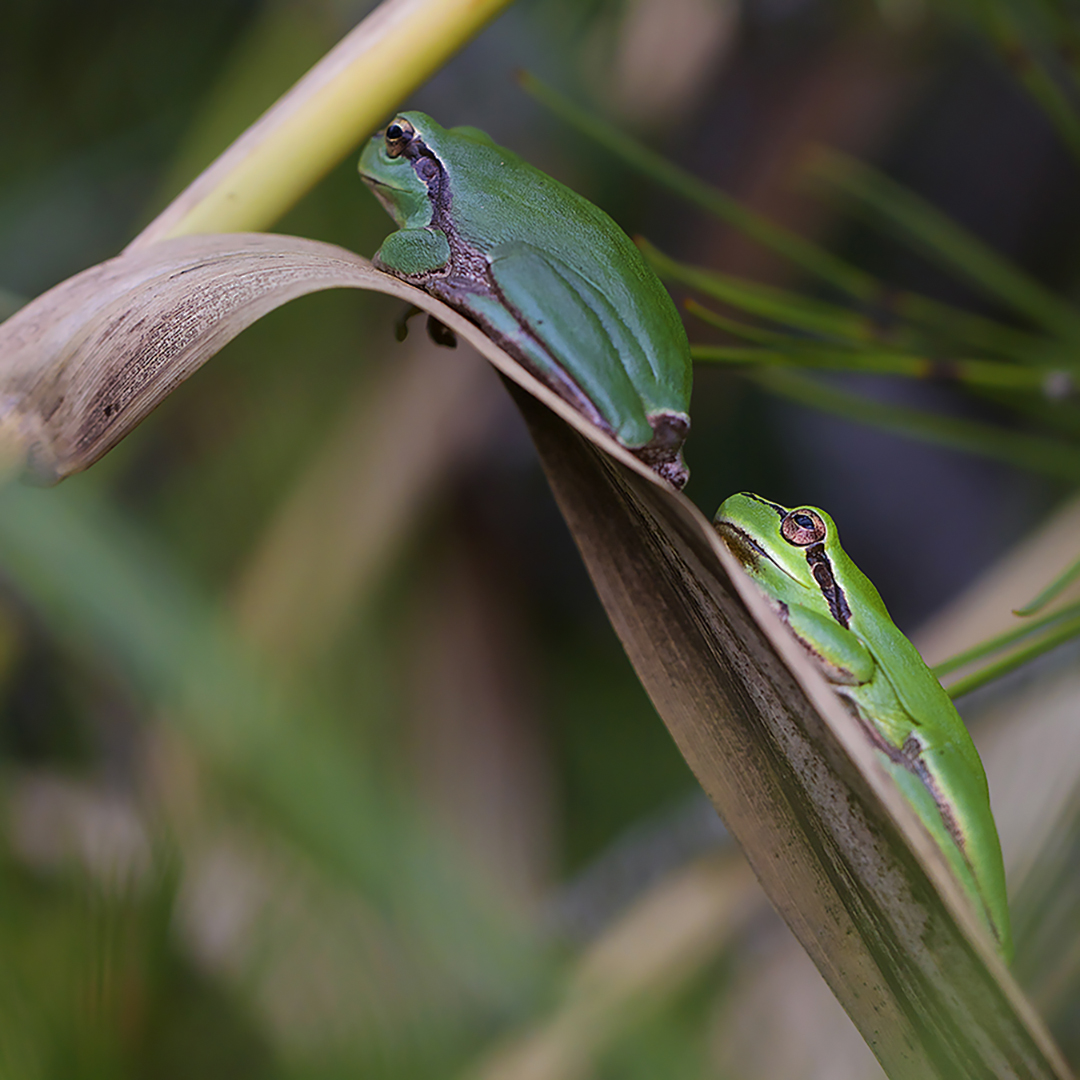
802	528
398	135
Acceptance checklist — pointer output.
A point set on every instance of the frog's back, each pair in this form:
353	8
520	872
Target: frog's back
507	200
510	205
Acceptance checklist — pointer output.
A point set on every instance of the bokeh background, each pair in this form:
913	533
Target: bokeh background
318	757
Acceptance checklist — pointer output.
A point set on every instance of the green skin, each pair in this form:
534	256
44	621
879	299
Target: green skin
543	272
795	558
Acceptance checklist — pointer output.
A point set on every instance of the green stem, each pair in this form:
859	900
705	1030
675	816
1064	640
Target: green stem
980	678
1047	456
1002	641
739	329
323	118
798	354
1055	588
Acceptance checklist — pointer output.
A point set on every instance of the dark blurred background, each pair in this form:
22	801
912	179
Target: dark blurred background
402	563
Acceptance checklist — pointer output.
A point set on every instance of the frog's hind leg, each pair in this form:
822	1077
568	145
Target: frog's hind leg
579	329
501	324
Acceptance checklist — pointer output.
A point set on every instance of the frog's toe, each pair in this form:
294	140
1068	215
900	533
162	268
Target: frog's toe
674	472
663	452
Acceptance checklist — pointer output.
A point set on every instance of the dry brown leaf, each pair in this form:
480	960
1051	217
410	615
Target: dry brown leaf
841	856
87	361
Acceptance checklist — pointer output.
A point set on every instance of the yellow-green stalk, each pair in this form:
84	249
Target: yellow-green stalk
323	117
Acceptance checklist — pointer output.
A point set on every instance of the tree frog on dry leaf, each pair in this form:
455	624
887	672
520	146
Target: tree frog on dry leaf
795	558
542	271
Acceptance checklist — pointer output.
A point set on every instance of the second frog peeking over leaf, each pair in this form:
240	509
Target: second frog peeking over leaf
550	277
795	558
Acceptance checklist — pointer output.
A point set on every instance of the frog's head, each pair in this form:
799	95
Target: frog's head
769	539
400	167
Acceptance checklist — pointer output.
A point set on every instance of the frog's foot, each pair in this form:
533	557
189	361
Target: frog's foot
663	453
674	472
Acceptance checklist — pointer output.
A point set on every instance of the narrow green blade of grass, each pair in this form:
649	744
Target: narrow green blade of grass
891	305
976	333
916	220
736	328
1003	641
809	358
1065	632
811	258
1054	589
810	355
1032	39
1033	452
777	305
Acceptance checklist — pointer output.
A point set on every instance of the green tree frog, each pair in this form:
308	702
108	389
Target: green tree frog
544	272
836	614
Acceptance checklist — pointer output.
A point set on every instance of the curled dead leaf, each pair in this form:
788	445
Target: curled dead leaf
87	361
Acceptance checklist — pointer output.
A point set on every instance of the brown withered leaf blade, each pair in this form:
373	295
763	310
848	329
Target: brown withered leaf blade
843	859
84	363
841	855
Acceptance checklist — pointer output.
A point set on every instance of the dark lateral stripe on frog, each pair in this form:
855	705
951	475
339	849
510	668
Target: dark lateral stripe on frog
909	758
822	570
418	149
747	542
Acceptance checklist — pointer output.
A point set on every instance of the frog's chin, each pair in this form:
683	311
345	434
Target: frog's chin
375	183
386	193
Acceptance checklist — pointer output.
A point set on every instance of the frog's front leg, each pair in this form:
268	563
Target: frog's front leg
414	253
851	668
843	658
